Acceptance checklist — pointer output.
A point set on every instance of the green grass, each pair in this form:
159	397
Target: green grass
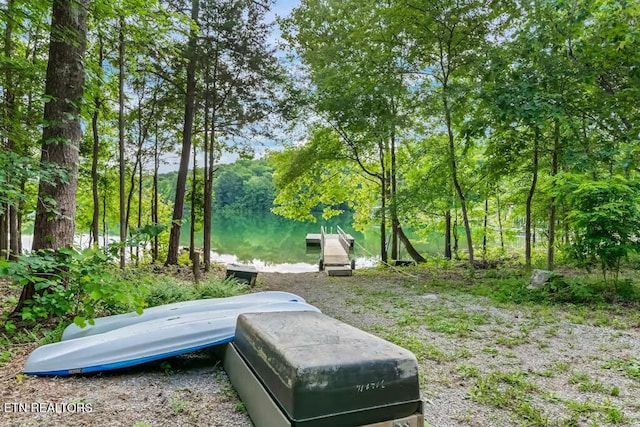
630	367
510	391
467	371
427	351
514	392
445	320
512	341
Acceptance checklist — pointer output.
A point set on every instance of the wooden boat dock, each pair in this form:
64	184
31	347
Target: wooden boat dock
335	251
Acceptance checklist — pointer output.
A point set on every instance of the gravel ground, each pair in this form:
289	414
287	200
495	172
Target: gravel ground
480	364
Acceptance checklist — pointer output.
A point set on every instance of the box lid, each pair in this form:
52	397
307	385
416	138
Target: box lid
317	367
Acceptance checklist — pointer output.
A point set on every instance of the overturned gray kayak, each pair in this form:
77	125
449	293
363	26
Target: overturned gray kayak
109	323
145	341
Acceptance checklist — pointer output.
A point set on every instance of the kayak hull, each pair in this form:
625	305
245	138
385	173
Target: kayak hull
146	341
109	323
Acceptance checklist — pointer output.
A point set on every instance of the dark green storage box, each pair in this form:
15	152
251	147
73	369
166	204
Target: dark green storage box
322	372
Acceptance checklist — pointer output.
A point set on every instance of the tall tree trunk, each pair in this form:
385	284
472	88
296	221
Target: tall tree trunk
10	124
137	166
395	224
456	237
565	224
383	207
383	220
552	207
501	231
208	177
95	221
154	208
189	111
211	101
14	233
4	231
132	189
532	189
533	237
54	226
123	218
447	234
105	231
192	228
139	210
454	176
20	210
413	253
484	229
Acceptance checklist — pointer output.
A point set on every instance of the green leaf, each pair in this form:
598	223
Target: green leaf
80	321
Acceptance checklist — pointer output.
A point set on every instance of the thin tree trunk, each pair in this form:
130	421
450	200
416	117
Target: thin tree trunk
395	224
552	207
383	228
132	189
383	208
139	210
4	231
189	111
565	223
154	208
500	223
456	237
484	227
10	117
137	166
14	233
447	234
533	237
123	218
454	176
95	221
532	189
20	210
413	253
105	231
94	176
192	228
208	176
61	137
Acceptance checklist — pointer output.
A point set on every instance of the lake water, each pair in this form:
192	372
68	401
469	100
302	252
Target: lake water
272	243
275	244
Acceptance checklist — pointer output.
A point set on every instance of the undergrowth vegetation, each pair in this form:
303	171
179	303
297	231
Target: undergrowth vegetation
81	285
508	283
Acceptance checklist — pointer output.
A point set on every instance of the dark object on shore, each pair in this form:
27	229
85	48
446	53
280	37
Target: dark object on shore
242	273
403	262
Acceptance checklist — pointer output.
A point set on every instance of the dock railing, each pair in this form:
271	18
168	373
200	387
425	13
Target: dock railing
344	239
323	236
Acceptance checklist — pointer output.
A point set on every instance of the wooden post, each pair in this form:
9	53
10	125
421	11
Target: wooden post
195	260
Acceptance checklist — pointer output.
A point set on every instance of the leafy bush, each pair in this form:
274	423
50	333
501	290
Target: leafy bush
70	282
216	288
605	218
560	289
588	291
165	290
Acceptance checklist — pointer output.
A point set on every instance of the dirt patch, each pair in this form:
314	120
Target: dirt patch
480	364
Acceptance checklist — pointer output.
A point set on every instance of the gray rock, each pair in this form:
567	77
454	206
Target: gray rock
539	278
429	297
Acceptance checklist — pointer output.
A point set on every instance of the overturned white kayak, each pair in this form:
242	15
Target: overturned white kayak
109	323
145	341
